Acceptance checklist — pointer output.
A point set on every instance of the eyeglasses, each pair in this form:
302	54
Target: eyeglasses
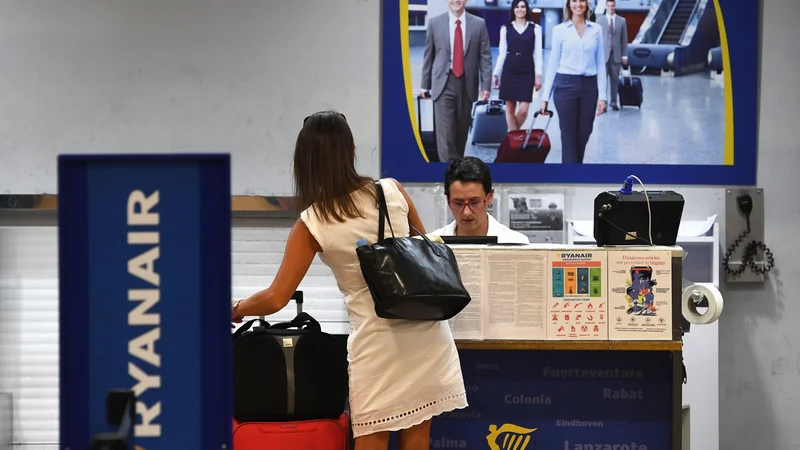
475	203
308	117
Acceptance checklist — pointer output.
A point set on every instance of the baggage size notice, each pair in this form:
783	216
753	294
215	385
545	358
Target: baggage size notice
640	295
577	304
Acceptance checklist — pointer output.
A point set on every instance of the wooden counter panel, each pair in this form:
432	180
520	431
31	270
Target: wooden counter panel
569	345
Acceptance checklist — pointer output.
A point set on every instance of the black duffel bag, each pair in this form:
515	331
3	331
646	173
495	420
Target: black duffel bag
288	371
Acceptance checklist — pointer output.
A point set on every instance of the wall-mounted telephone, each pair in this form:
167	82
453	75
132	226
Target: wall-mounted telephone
740	205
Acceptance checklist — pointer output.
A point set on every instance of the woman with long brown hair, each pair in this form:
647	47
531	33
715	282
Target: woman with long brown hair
519	63
402	373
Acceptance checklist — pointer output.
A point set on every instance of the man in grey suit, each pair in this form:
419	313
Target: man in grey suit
615	43
456	65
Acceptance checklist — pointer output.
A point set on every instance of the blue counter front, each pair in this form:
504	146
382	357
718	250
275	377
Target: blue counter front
561	400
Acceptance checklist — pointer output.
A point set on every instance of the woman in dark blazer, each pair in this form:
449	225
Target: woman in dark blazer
519	63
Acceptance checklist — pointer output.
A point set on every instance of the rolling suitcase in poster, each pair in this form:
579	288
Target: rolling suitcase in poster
630	90
288	371
526	146
428	137
489	125
324	434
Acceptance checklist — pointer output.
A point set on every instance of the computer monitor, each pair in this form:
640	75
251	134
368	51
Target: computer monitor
469	240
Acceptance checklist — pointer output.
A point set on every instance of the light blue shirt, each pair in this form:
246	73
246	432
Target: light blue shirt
572	54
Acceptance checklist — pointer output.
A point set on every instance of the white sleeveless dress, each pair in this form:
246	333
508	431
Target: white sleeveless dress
401	372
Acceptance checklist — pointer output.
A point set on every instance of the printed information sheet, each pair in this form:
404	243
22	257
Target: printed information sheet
517	292
468	324
577	303
640	295
508	290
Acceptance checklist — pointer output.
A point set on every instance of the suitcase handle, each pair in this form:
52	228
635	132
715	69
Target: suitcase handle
488	103
297	297
538	113
247	325
303	320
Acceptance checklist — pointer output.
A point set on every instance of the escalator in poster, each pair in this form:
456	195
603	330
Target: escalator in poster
676	36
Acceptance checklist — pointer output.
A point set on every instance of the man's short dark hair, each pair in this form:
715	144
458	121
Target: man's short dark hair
468	170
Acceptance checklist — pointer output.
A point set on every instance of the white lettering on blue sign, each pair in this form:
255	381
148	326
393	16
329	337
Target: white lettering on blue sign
623	394
524	399
143	347
445	442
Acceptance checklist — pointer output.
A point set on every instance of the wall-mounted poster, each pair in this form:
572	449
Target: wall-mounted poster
679	79
538	216
577	296
640	296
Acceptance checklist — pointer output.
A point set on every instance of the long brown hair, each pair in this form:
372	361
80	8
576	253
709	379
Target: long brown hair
325	173
568	11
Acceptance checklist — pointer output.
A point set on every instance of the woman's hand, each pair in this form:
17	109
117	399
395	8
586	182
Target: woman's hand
496	81
601	107
537	84
235	317
543	110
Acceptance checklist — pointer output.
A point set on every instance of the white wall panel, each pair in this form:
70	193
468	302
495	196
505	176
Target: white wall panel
29	331
257	254
29	315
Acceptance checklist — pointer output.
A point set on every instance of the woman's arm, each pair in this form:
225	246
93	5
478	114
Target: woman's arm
301	247
501	52
552	67
600	61
602	73
538	61
413	216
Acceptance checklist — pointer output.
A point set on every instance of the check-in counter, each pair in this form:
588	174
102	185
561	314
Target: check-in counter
568	348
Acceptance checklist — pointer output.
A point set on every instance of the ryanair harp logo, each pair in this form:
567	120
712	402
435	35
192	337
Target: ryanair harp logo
514	437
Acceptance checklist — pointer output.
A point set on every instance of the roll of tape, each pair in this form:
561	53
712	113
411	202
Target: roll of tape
693	295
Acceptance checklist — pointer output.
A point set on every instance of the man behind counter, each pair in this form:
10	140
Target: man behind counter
468	189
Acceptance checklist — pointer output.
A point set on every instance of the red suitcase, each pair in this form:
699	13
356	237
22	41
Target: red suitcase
325	434
526	146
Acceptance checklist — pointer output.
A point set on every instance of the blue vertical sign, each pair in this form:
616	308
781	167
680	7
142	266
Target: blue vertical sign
145	291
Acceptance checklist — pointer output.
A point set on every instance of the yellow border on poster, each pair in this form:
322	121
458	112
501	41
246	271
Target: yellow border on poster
726	73
406	52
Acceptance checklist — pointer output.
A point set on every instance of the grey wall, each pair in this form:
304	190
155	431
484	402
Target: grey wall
240	75
760	334
236	76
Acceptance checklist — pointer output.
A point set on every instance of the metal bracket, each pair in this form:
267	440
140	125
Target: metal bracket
121	413
735	228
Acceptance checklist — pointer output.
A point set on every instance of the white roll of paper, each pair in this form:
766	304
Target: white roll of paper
693	295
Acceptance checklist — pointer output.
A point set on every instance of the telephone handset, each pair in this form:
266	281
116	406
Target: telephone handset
745	205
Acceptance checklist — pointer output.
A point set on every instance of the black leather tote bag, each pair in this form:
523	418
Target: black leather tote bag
411	278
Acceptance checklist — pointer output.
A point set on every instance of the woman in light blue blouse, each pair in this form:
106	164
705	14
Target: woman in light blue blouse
576	78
